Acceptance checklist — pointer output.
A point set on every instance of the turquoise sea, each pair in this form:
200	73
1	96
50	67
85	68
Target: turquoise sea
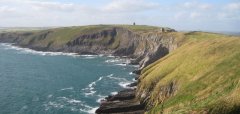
33	82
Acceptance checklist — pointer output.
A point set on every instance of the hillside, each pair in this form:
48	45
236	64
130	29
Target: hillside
180	72
201	76
22	29
137	42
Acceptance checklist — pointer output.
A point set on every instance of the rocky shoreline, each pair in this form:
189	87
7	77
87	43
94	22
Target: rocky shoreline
167	78
124	102
143	48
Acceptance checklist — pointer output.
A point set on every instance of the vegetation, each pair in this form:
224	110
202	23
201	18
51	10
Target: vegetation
206	72
21	29
60	36
201	76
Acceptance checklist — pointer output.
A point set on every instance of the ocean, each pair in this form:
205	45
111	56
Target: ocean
34	82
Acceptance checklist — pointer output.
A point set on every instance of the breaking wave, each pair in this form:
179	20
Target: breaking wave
90	90
30	51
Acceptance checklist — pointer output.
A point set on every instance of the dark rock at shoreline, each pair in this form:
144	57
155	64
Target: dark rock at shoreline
127	94
138	71
88	53
128	106
122	103
120	41
132	112
134	84
143	47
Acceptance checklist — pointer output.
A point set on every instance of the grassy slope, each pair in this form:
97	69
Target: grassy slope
21	29
206	70
60	36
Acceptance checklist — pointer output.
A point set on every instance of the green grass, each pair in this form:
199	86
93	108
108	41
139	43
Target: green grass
22	29
139	28
205	68
206	71
60	36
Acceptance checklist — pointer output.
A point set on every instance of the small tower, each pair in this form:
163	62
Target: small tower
134	23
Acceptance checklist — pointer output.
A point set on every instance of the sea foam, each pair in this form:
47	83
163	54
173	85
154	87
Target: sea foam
89	90
124	84
31	51
100	98
69	88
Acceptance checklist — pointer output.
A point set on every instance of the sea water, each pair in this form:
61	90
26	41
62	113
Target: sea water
34	82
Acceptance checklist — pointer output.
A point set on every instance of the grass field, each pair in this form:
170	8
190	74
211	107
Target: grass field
206	72
60	36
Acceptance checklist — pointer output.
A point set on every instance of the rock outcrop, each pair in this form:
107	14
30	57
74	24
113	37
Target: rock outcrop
202	76
143	48
124	102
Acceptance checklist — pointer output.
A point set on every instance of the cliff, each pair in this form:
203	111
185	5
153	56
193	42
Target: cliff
201	77
192	72
144	44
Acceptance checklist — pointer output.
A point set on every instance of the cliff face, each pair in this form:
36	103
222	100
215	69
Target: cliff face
192	72
201	76
144	47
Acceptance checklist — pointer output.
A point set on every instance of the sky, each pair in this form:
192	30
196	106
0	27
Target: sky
204	15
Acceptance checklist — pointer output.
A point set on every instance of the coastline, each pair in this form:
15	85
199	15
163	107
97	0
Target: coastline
166	61
125	96
140	46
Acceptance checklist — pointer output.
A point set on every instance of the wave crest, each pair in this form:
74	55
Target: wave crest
10	46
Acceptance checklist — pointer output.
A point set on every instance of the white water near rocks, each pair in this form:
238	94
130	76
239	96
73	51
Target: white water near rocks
57	82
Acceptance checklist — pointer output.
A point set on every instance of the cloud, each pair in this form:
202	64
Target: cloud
175	14
230	11
184	15
188	4
227	15
233	6
197	5
130	6
7	12
180	15
195	15
52	6
7	9
205	6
